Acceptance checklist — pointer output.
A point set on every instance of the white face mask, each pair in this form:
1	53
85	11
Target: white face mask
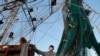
50	49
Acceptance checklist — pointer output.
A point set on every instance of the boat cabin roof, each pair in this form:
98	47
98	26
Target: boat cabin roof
14	50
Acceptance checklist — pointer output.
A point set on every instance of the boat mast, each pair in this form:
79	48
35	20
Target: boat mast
11	17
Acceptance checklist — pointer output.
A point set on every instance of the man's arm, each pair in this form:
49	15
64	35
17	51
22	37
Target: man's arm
40	52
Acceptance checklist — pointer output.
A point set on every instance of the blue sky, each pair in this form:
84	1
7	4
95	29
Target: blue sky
95	5
50	32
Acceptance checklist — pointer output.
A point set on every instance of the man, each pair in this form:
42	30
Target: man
49	53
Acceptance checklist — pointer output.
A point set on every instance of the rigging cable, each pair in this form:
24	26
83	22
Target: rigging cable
92	9
25	14
46	33
49	35
96	27
96	19
31	29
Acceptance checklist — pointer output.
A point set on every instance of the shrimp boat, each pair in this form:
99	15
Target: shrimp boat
20	18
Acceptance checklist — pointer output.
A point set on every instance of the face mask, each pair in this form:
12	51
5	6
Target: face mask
50	49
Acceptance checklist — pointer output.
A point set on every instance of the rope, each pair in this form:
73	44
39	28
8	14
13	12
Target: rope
92	9
6	29
45	33
96	19
96	27
54	38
